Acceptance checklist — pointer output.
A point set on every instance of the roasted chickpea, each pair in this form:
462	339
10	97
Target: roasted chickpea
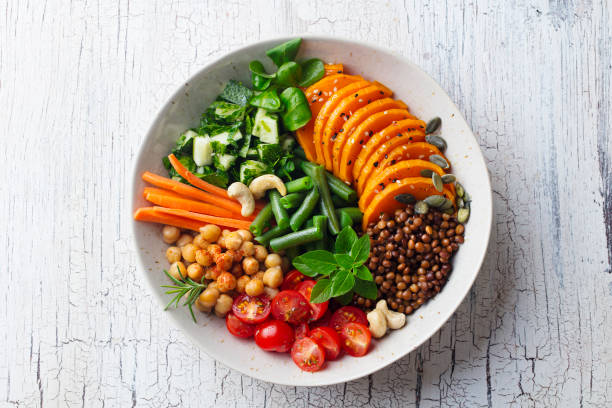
241	283
189	252
195	272
212	285
221	242
210	232
233	240
170	234
202	308
208	297
226	282
223	305
178	271
173	254
225	261
245	234
212	272
273	277
214	251
273	260
255	287
271	292
199	241
237	270
247	248
184	240
236	255
225	232
260	253
203	258
250	266
259	275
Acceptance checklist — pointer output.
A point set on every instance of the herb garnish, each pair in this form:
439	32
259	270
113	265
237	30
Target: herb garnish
189	290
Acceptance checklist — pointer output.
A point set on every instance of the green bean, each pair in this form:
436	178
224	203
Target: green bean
310	223
280	214
299	185
292	252
271	233
327	206
262	220
345	219
296	238
338	202
308	205
337	186
354	212
293	200
320	221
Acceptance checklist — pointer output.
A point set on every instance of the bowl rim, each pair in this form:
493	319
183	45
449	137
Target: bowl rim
135	177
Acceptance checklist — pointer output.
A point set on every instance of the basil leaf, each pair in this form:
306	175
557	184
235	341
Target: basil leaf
315	262
342	282
363	273
284	52
360	251
289	74
346	298
345	240
321	291
312	71
267	100
297	111
257	68
344	260
367	289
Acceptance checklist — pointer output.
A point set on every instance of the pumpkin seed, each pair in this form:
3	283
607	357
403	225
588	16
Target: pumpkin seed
433	125
436	141
437	181
448	178
439	160
449	211
405	198
459	188
421	207
446	204
460	202
434	201
463	215
426	173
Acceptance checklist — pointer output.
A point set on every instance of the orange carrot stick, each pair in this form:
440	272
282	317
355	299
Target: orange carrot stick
154	190
226	222
192	179
149	214
169	201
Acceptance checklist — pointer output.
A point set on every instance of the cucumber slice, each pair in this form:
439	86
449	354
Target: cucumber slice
202	151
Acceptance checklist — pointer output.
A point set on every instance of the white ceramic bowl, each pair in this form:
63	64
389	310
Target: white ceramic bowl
426	99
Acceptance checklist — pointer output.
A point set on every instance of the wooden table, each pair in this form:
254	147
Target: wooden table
79	85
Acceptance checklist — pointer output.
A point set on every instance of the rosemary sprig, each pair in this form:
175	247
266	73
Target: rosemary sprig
188	289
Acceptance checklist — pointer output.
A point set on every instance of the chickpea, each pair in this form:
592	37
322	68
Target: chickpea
237	270
210	232
245	234
170	234
247	248
203	258
214	251
213	273
184	240
173	254
225	261
225	232
221	242
226	282
223	305
201	308
259	275
199	241
273	260
260	253
195	272
178	270
241	283
233	240
208	297
212	285
189	252
250	265
236	255
273	277
255	287
271	292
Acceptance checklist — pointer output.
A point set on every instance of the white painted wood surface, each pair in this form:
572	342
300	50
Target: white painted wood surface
80	82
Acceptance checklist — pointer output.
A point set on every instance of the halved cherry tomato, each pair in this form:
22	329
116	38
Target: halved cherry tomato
347	314
324	321
274	335
327	338
252	309
239	328
307	354
318	309
355	339
302	330
292	279
291	307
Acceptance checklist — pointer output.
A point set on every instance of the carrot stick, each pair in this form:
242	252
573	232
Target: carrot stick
168	201
192	179
149	214
226	222
153	190
191	192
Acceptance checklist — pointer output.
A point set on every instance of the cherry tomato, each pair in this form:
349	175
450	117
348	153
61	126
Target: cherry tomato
239	328
324	321
292	279
355	339
347	314
318	309
291	307
307	354
327	338
301	330
274	335
252	309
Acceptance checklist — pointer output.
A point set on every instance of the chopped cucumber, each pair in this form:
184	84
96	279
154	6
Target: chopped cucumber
251	169
202	151
223	161
269	153
266	126
244	150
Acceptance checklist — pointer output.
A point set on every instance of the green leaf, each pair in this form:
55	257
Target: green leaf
312	70
284	52
344	260
260	83
257	68
237	93
342	282
346	298
360	251
362	272
267	100
321	291
289	74
367	289
316	262
345	240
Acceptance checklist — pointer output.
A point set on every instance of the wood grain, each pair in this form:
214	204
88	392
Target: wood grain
80	83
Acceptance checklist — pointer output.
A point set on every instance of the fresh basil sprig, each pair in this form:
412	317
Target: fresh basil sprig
342	272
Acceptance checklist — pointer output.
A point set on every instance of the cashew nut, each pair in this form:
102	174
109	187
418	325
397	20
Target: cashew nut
261	184
244	196
378	323
395	320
